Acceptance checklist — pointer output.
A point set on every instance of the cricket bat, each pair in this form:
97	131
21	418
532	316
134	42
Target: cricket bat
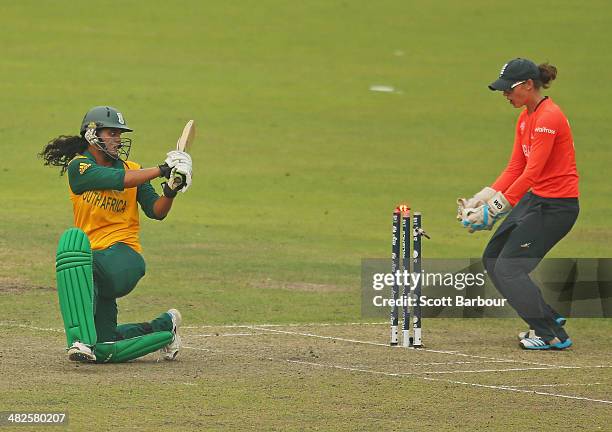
183	144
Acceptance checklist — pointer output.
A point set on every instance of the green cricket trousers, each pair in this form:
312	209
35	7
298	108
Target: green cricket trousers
116	271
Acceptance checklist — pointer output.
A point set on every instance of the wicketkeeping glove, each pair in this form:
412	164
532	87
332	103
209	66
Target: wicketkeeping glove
476	201
485	216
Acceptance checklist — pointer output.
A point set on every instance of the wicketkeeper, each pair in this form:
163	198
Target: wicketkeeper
100	260
538	191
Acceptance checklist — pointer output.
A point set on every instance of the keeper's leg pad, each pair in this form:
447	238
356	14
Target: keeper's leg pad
129	349
73	266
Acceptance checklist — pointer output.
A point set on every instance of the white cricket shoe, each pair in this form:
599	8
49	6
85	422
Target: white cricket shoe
537	343
79	352
170	351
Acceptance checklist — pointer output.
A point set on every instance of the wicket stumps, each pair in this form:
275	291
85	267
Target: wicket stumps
400	247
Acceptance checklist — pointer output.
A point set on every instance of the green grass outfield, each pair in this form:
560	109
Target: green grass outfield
297	163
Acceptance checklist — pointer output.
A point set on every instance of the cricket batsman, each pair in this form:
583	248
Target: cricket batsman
100	260
538	191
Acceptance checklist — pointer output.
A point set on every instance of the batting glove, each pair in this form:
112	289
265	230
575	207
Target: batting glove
175	156
183	171
168	191
164	170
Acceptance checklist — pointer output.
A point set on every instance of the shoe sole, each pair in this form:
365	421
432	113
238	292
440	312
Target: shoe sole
556	347
81	357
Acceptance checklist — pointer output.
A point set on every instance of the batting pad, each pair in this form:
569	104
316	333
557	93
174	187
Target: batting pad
129	349
73	267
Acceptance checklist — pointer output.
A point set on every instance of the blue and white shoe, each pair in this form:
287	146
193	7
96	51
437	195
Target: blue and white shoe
170	351
531	333
537	343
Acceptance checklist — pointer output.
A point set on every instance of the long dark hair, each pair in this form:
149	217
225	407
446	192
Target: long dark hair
61	150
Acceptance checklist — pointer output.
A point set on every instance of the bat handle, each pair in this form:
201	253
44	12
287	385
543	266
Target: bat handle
179	180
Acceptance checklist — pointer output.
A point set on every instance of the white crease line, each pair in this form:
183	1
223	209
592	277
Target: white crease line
415	374
552	385
347	368
388	346
10	324
460	362
202	349
519	390
59	330
318	336
287	325
227	334
403	375
462	371
412	364
550	366
259	327
451	381
505	370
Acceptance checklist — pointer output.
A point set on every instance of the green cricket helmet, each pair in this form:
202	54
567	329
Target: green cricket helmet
101	117
104	117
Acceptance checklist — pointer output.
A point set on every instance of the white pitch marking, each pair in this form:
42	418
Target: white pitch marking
468	371
203	326
427	372
460	362
228	334
552	385
347	368
452	381
402	375
415	374
386	345
262	327
519	390
507	370
318	336
311	324
10	324
202	349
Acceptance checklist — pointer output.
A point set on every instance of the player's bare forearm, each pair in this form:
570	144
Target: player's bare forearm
162	206
135	178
